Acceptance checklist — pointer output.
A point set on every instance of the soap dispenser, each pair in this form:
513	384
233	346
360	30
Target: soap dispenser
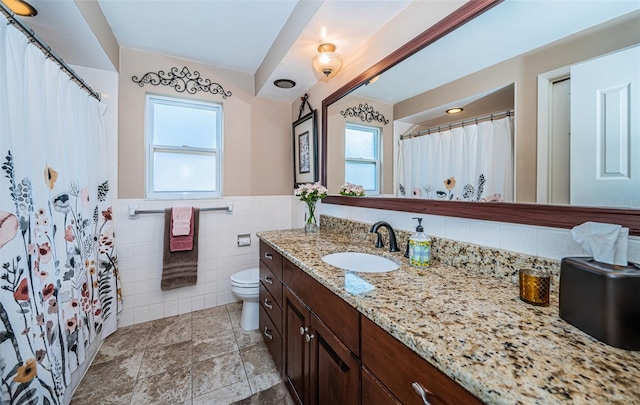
419	247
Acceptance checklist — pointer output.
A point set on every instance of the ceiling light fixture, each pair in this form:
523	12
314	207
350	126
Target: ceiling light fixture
20	7
327	61
375	79
454	110
284	83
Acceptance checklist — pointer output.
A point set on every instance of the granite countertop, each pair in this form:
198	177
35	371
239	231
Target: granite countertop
473	327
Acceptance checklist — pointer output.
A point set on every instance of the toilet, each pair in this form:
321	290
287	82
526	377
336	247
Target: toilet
245	285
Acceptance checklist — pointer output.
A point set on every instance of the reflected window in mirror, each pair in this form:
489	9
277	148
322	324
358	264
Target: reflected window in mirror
362	157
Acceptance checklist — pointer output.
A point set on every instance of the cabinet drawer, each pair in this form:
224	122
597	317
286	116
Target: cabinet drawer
373	392
340	317
271	282
398	367
271	307
271	258
271	337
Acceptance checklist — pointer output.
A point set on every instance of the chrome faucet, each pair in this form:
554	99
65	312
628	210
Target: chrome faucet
393	245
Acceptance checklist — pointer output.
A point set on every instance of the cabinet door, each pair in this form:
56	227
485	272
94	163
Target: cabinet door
296	349
334	370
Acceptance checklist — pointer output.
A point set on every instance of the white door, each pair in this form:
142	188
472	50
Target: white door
605	131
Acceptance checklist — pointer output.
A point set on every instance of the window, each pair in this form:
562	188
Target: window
362	157
184	148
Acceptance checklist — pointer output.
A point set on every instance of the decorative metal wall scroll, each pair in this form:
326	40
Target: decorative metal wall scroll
182	80
365	113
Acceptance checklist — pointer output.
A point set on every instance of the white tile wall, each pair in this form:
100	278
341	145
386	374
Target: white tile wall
552	243
140	244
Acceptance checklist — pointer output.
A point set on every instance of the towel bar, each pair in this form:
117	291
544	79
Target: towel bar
134	211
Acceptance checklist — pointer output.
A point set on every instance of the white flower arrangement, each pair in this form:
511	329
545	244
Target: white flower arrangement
311	193
352	190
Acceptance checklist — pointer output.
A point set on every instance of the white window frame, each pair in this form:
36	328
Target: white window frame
151	148
378	141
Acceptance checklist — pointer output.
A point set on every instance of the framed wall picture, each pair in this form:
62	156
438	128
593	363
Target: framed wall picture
305	150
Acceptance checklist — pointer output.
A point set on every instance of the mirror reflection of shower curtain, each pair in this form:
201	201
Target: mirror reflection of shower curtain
469	163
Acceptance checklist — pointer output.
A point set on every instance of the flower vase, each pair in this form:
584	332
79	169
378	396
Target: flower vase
311	225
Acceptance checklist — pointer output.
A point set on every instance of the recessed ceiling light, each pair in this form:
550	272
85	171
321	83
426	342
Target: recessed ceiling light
454	110
21	8
284	83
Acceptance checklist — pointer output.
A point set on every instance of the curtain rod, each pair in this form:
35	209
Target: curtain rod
33	38
475	120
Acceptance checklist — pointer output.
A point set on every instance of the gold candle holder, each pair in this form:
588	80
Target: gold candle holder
534	287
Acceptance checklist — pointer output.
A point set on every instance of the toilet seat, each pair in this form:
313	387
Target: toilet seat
246	278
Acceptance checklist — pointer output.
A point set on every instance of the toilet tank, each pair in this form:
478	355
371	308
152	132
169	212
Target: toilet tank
602	300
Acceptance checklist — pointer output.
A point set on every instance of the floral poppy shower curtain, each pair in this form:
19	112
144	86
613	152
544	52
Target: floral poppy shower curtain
59	288
468	163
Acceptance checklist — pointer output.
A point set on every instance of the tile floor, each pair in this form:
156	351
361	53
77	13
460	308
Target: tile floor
201	358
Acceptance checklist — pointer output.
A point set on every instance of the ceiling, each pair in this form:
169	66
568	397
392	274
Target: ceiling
524	26
270	39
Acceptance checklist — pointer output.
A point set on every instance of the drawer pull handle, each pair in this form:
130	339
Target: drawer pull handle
308	337
268	256
420	390
303	330
268	279
267	333
267	303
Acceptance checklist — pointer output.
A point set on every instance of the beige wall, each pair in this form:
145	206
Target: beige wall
257	133
336	128
500	101
524	71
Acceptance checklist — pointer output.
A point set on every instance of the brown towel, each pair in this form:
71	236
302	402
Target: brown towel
179	269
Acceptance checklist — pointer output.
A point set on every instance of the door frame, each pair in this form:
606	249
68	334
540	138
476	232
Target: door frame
545	107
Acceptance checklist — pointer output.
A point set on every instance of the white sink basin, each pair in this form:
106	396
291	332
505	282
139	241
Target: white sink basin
362	262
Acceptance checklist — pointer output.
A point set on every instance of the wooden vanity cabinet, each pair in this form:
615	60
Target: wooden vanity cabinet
398	368
319	368
328	354
270	315
374	392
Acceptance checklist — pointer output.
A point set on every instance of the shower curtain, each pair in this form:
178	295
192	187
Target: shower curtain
469	163
59	287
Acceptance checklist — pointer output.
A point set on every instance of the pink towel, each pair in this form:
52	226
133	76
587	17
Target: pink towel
181	243
181	220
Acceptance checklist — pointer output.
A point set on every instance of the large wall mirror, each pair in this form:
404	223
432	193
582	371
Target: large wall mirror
524	74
